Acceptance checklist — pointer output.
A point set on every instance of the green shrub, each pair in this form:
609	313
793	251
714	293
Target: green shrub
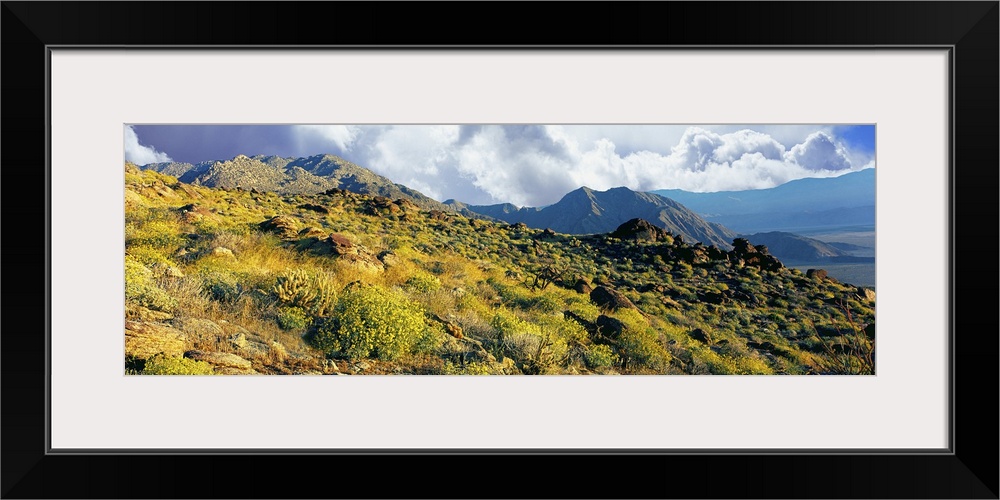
423	283
472	368
163	365
157	233
370	321
601	356
221	287
640	344
293	318
141	289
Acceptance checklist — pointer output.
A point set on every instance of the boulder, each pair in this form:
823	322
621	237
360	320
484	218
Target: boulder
199	328
284	226
640	230
608	327
817	274
145	340
389	259
223	252
609	299
219	359
229	370
340	245
312	232
581	286
700	335
756	256
315	208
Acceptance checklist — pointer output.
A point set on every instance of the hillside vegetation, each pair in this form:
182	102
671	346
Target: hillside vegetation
233	281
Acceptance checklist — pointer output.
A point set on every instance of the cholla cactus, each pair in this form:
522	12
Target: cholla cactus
293	287
314	294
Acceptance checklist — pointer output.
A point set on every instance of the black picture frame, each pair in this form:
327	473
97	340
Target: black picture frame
969	470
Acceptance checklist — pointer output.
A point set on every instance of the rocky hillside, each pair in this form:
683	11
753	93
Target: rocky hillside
310	175
232	281
585	211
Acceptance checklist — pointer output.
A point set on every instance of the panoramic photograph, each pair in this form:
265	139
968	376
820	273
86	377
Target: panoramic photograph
499	249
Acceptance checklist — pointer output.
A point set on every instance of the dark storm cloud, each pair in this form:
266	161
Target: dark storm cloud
195	143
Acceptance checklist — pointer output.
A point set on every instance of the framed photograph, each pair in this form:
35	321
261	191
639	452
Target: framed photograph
299	199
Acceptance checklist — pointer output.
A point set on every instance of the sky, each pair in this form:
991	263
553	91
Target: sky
535	165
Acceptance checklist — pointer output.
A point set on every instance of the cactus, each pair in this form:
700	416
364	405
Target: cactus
313	293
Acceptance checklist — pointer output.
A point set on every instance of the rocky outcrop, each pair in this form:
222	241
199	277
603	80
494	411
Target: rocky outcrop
641	230
223	252
345	250
608	327
700	335
816	274
315	208
755	256
609	299
284	226
145	340
582	286
222	360
312	232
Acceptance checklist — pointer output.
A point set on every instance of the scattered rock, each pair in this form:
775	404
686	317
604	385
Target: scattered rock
762	346
144	340
389	259
712	297
198	327
700	335
757	256
229	370
312	232
581	286
466	350
139	313
609	327
641	230
437	215
223	252
284	225
220	359
340	245
546	233
609	299
817	274
315	208
406	205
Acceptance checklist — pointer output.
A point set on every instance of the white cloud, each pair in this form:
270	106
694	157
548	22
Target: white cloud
339	136
820	152
139	154
536	165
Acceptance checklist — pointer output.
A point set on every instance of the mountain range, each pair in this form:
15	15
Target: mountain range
308	175
586	211
847	200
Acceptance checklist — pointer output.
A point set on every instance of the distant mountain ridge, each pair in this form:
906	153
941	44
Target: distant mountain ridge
307	175
586	211
835	201
789	247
